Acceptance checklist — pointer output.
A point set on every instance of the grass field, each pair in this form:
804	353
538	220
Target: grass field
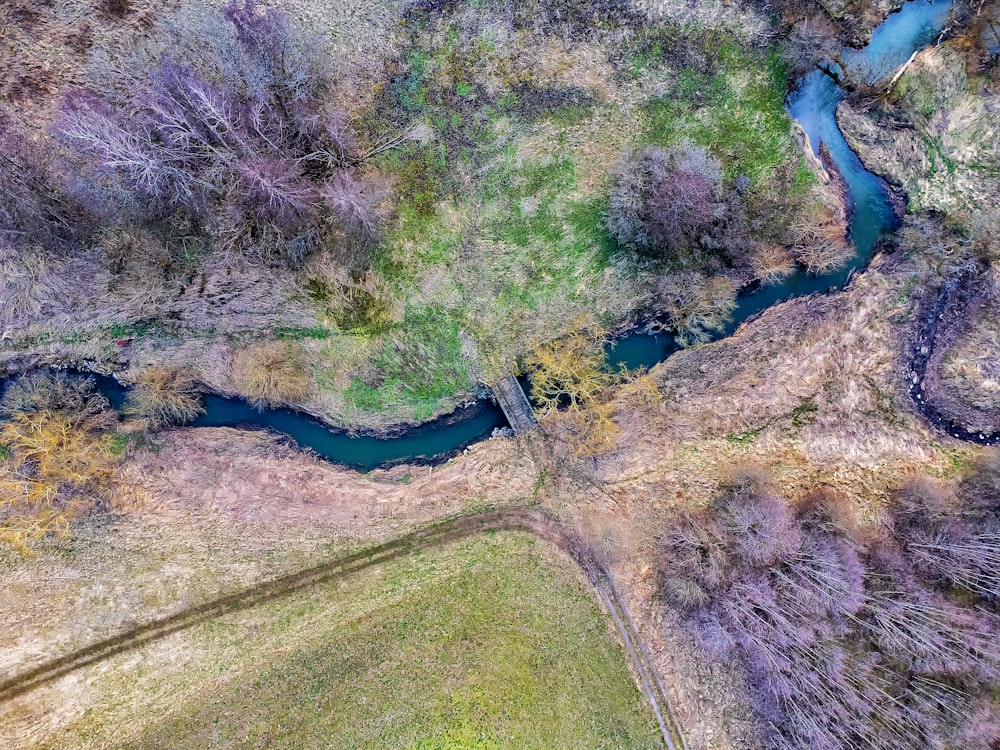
489	643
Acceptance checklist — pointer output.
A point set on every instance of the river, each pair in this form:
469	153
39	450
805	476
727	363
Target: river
812	104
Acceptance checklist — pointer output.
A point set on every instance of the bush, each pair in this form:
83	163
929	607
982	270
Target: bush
678	209
571	373
818	240
55	458
662	202
52	393
810	42
32	213
671	204
771	263
225	122
696	306
271	374
163	396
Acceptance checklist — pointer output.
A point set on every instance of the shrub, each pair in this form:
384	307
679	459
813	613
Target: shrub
31	211
809	42
271	374
55	458
771	263
52	393
678	209
226	122
818	240
696	306
163	396
570	373
662	202
922	630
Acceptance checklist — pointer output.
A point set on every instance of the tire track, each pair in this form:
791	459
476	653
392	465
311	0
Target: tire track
531	520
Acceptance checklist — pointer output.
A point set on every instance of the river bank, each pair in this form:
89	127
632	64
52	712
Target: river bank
809	391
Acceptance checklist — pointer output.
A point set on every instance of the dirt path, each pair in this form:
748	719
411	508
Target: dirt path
527	519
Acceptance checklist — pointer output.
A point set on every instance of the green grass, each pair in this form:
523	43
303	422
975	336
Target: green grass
738	113
489	643
498	223
298	333
744	438
418	365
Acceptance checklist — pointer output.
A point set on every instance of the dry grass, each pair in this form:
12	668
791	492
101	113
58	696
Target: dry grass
26	285
970	368
45	45
271	374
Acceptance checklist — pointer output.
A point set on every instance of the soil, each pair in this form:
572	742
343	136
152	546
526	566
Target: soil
953	367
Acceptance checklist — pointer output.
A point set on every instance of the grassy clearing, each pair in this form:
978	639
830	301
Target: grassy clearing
488	643
495	241
419	365
501	221
737	112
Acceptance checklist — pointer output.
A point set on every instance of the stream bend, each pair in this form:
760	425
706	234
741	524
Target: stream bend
812	105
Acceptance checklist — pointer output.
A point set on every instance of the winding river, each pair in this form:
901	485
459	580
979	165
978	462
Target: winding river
812	105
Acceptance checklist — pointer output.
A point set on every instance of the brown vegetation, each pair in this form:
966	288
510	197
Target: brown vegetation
163	396
696	306
664	201
271	374
818	240
791	391
771	263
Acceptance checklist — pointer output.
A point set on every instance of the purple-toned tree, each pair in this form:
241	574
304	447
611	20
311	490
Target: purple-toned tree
246	146
838	654
679	208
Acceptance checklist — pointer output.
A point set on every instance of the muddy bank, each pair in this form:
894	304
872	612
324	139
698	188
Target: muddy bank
942	321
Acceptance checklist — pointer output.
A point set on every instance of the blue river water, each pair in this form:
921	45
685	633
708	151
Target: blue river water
812	104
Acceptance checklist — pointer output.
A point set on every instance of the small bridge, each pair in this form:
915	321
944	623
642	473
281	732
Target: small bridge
515	404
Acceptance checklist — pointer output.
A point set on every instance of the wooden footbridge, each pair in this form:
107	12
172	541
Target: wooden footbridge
515	405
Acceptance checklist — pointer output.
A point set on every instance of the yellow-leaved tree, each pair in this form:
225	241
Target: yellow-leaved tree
55	455
570	377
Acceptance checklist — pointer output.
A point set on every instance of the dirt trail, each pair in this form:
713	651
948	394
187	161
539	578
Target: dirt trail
527	519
